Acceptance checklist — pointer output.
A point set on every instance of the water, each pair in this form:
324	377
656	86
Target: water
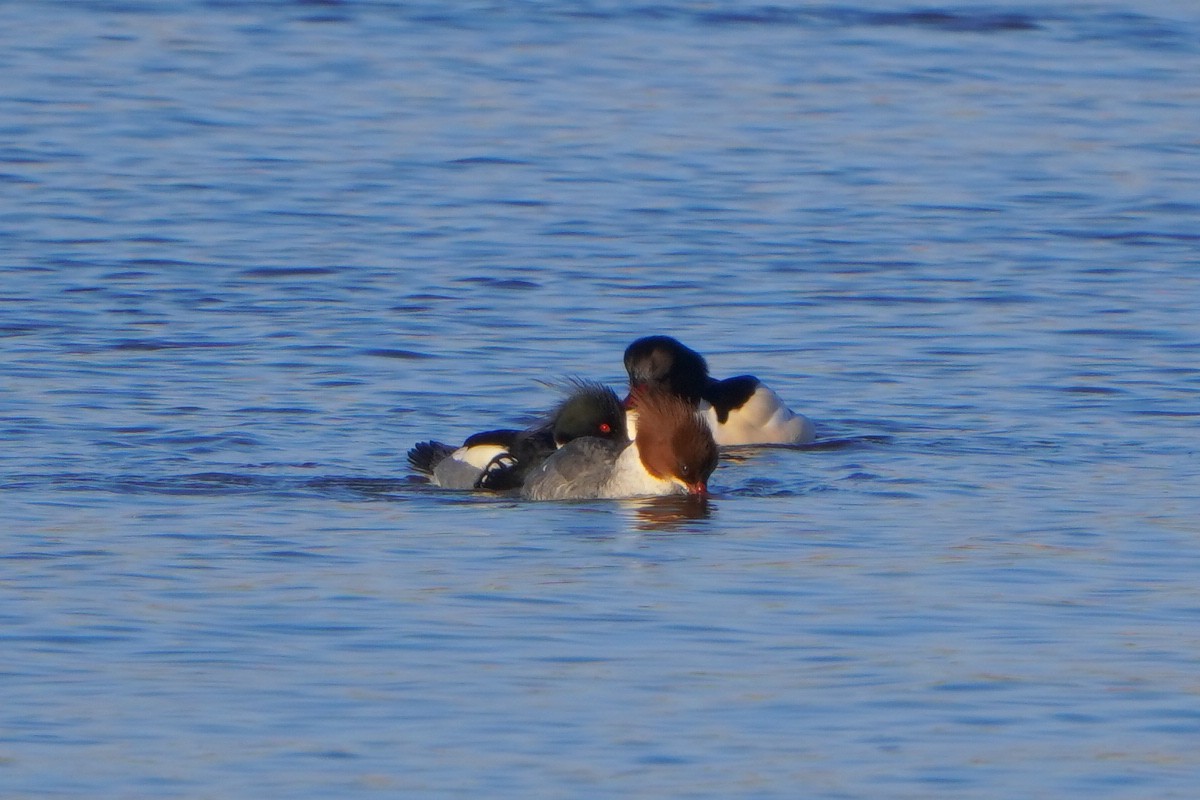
253	251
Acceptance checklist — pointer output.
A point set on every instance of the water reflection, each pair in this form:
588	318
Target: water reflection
673	513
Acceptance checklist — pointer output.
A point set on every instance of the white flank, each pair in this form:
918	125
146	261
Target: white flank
463	467
763	419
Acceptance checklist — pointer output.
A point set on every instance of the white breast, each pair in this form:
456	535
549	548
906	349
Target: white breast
630	479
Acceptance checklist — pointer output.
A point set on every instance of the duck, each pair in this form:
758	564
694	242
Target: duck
498	460
739	411
673	452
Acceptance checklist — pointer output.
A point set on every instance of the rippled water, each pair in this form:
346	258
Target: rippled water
253	251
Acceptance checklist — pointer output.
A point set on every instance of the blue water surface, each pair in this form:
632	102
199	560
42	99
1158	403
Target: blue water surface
252	251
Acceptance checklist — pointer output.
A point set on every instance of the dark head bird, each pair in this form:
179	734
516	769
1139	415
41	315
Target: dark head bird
590	409
497	460
740	410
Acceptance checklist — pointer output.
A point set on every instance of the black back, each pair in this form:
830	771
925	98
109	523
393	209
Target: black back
730	394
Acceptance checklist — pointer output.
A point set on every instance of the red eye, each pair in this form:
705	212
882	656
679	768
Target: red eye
605	427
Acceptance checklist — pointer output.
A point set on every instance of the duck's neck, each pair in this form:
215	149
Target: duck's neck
631	479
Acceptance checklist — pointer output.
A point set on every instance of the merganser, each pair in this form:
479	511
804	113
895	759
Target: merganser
499	460
741	410
673	453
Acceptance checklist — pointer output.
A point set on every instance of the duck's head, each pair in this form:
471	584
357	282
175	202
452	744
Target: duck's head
660	362
675	443
591	409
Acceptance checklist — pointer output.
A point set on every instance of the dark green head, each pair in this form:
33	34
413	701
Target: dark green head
592	409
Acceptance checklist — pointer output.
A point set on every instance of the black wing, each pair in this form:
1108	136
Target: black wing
730	394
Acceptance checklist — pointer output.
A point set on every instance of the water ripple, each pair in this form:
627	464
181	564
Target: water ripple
255	250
